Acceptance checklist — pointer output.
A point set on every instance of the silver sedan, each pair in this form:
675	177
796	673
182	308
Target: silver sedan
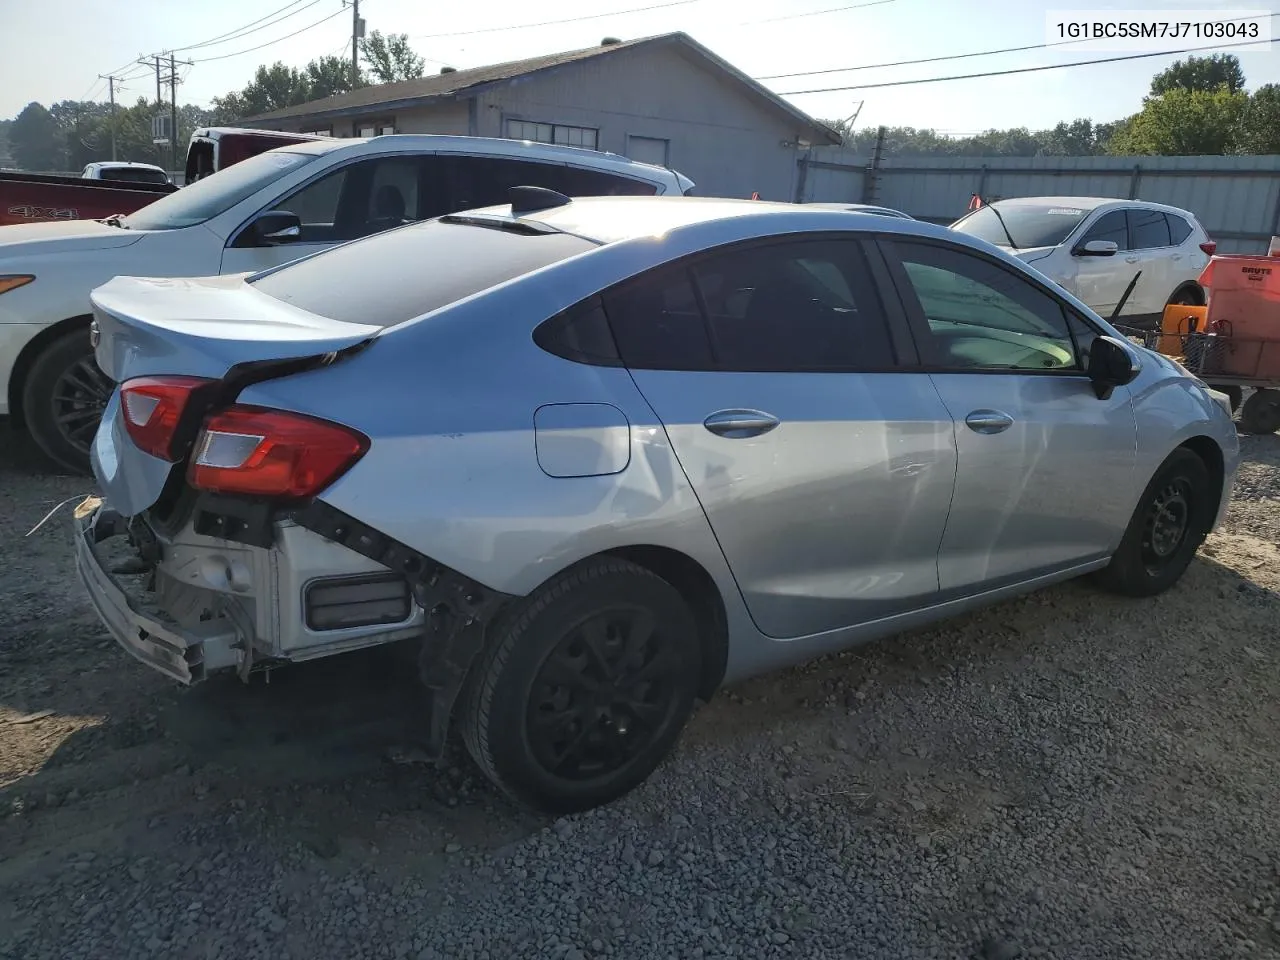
593	459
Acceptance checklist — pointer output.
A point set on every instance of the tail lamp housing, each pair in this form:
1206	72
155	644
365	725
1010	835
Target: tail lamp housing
153	407
1210	247
257	452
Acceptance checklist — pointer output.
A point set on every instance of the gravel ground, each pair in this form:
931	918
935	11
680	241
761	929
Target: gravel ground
1069	775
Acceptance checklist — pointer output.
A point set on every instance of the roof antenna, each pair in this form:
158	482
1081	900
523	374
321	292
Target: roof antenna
530	199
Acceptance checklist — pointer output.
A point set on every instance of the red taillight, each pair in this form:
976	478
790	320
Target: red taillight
152	407
1209	247
269	453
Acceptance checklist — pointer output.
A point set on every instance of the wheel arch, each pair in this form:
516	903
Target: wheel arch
27	358
698	589
1192	288
1210	453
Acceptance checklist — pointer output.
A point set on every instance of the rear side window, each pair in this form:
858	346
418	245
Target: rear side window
1179	229
473	182
395	276
1149	229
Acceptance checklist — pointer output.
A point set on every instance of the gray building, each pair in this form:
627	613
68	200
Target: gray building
666	100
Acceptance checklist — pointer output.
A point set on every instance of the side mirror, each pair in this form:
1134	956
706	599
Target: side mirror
277	226
1098	248
1110	366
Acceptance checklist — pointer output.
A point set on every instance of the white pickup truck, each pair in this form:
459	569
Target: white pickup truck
261	212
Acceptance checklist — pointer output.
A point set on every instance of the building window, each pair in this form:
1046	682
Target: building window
552	133
649	150
375	128
318	131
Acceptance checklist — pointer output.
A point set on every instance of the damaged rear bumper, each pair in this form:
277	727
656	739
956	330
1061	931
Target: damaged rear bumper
185	654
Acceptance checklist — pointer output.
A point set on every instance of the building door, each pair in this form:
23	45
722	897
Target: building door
649	150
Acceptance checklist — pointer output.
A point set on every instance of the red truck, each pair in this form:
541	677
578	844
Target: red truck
33	197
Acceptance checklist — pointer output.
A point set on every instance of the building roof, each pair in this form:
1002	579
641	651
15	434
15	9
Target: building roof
461	83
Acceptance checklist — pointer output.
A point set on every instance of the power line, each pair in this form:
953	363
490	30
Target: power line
954	56
226	56
550	23
1005	73
816	13
239	32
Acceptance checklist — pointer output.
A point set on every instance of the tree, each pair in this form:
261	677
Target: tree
33	139
1205	74
1259	128
328	76
1183	123
390	58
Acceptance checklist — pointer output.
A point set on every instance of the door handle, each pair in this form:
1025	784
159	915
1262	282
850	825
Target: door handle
1176	256
1130	259
988	421
740	424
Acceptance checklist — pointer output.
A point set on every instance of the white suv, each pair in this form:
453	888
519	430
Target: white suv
261	212
1093	247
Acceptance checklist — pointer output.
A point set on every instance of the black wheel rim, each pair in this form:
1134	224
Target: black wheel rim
605	692
1167	522
79	397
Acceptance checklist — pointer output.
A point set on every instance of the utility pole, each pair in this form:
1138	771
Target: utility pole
357	31
111	86
173	113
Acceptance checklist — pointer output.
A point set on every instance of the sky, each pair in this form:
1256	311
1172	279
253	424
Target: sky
761	37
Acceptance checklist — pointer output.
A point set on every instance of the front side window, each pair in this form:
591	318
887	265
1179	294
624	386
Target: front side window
1149	229
980	316
355	201
212	195
800	306
1110	226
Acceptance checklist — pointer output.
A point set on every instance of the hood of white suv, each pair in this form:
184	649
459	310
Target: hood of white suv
1031	254
60	236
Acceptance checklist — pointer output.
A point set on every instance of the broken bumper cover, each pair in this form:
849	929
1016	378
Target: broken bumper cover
183	653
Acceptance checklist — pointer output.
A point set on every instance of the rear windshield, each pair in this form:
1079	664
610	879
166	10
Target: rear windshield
134	175
395	276
1029	224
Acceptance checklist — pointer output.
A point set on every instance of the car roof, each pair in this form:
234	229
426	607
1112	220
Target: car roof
428	142
1089	204
854	207
614	219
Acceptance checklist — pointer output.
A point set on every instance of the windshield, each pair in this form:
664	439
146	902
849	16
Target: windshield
212	195
1029	224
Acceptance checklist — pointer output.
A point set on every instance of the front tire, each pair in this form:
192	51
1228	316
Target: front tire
63	399
1171	521
584	688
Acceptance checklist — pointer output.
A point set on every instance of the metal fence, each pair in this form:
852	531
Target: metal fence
1237	199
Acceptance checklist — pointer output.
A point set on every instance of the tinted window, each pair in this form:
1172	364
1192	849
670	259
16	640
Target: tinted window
378	280
1179	229
1149	229
581	334
473	182
982	316
577	182
1110	226
210	196
657	323
134	175
802	306
1029	224
356	200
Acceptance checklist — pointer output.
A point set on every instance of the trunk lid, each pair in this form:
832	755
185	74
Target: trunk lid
219	328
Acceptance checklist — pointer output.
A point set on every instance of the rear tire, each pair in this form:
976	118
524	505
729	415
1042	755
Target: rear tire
1261	412
1171	521
584	687
1188	296
63	399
